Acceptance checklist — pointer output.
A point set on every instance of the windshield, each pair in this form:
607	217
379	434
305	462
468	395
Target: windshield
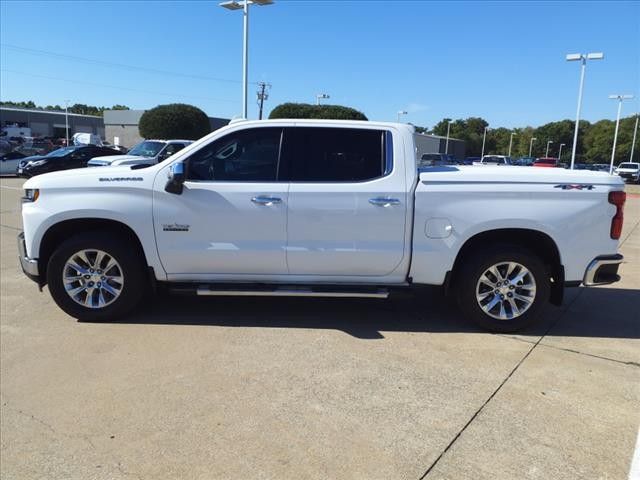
146	149
61	152
493	160
631	166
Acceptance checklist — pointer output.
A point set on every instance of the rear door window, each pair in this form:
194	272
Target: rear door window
325	154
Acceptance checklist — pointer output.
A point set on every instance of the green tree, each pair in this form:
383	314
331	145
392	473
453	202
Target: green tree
470	131
176	120
305	110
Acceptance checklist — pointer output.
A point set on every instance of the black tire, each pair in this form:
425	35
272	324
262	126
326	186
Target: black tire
134	286
468	276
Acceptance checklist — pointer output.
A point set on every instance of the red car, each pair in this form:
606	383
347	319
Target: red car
546	162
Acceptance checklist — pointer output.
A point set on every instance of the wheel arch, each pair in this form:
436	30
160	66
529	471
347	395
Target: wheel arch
540	243
62	230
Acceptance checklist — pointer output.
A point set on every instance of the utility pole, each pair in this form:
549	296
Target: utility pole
263	94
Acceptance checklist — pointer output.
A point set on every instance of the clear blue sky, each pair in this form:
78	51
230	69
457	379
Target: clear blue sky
503	61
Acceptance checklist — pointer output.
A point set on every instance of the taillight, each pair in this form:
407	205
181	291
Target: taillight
617	199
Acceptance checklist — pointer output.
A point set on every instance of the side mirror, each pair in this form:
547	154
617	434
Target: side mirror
175	183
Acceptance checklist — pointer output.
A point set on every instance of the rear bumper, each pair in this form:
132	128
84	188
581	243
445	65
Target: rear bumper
29	265
602	270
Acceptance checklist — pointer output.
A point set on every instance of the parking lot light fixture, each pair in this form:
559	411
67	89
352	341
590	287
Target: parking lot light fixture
484	138
511	143
321	96
401	112
633	142
244	6
533	139
620	98
549	142
572	57
66	121
560	151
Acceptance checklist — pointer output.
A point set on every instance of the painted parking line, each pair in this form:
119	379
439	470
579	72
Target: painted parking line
634	473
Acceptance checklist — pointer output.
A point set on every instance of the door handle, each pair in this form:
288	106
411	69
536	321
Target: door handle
266	201
384	201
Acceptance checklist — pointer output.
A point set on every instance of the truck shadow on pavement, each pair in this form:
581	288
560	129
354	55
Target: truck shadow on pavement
596	312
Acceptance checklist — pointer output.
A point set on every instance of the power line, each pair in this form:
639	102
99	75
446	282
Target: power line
115	87
91	61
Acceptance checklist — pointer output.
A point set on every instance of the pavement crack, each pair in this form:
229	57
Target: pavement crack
631	363
629	234
10	227
495	392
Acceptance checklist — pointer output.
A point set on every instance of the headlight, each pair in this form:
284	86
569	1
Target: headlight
31	195
37	163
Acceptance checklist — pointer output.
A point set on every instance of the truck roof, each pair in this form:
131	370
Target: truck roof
343	123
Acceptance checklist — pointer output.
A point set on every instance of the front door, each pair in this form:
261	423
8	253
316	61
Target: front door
230	219
347	202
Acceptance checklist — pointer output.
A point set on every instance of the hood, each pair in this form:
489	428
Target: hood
92	178
513	174
113	158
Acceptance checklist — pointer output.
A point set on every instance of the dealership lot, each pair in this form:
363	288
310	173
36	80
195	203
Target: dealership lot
282	388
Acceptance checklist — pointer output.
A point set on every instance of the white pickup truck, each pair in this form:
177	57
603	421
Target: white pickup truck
319	208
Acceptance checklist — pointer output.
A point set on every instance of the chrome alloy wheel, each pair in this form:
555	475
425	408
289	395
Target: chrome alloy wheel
92	278
506	290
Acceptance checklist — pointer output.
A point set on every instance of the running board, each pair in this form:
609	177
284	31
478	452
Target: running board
206	290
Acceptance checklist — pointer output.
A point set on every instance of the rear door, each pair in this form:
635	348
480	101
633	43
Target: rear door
347	202
80	157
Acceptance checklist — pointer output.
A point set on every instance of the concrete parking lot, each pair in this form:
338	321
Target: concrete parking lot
344	389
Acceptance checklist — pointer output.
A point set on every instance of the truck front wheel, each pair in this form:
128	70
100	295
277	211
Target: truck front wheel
502	288
96	276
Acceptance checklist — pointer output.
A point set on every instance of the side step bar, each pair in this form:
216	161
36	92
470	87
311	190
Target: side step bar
206	290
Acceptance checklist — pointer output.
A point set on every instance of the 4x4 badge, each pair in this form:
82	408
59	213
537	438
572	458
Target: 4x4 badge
568	186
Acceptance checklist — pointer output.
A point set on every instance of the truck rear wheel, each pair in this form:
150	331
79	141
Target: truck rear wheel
502	288
96	276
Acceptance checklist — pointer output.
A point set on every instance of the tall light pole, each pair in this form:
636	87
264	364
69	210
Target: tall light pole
560	152
401	112
446	148
549	142
484	137
66	120
633	142
510	143
583	59
321	96
620	98
244	6
533	139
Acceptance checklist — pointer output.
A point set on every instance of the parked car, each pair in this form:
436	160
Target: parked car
9	162
629	171
435	160
470	160
495	160
546	162
525	161
601	167
61	159
148	152
319	208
